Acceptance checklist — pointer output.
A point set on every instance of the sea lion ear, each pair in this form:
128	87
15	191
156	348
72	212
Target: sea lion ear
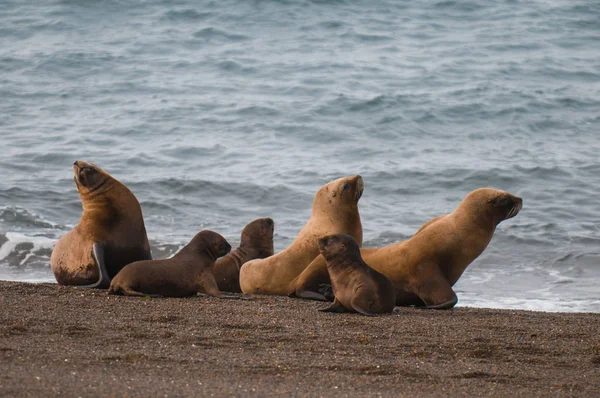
502	201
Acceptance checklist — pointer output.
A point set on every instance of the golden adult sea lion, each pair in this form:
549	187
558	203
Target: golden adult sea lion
109	235
356	286
425	267
256	242
334	210
188	272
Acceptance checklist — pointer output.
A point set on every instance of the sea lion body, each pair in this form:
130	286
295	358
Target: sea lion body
111	228
188	272
425	267
335	210
356	286
256	242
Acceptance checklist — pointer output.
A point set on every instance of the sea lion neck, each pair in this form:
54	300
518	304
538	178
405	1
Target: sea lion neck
88	194
343	259
326	208
255	247
476	214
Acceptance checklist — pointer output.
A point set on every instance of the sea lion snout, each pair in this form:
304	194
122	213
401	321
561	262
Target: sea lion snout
360	187
88	176
268	224
355	185
224	248
516	207
323	243
333	245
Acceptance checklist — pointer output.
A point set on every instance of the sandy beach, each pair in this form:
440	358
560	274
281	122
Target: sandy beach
57	340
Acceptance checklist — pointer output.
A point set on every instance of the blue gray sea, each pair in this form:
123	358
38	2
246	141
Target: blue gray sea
215	113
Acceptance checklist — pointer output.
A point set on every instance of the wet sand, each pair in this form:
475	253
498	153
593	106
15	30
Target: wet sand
57	340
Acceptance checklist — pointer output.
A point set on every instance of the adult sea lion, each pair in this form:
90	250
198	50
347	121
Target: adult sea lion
256	242
356	286
109	235
188	272
334	210
425	267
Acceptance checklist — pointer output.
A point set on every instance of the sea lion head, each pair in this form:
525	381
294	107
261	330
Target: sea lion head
496	204
90	178
338	246
259	235
209	242
345	190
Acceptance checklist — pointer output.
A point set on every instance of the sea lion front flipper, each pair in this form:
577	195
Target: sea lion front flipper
309	283
130	292
336	306
435	291
98	256
326	290
207	284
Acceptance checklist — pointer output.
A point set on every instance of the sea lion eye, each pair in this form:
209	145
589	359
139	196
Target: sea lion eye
503	201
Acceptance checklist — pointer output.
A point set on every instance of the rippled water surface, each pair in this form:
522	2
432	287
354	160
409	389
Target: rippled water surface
217	113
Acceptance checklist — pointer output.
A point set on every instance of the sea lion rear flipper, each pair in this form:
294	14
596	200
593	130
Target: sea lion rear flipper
361	310
336	306
435	291
98	256
360	303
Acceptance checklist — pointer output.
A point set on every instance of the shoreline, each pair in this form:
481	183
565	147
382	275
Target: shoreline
57	340
461	304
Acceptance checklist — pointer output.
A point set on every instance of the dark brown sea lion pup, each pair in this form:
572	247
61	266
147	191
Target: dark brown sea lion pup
356	286
425	267
109	235
188	272
334	211
256	242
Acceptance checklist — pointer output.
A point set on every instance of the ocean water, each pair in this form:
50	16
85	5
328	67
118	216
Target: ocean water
215	113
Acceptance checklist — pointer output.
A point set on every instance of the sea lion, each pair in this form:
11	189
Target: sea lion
188	272
356	286
334	210
109	235
425	267
256	242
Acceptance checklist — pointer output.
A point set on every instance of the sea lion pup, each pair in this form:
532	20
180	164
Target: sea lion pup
256	242
109	235
425	267
188	272
356	286
334	210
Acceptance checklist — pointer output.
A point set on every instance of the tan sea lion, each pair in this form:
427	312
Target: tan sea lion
109	235
335	210
425	267
256	242
188	272
356	286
